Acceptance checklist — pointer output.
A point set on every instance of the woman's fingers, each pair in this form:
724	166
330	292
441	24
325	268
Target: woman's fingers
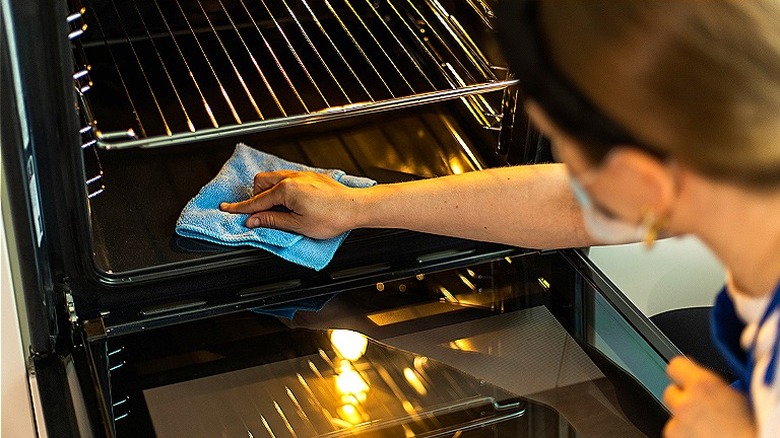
317	205
265	180
680	370
671	396
260	202
272	219
684	372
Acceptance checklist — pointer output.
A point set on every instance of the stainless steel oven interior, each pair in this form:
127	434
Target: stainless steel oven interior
392	90
453	337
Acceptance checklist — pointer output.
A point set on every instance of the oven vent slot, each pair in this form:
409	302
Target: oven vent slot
191	70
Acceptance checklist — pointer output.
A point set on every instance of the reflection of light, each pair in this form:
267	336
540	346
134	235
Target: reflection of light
448	295
456	135
462	344
348	344
353	390
350	414
419	362
544	283
414	381
349	381
456	166
466	281
408	407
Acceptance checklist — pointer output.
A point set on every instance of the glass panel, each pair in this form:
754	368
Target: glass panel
351	386
617	340
436	354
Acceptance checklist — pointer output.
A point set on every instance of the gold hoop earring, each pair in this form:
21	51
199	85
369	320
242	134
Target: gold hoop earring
653	226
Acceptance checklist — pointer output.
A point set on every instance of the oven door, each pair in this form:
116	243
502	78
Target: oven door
531	344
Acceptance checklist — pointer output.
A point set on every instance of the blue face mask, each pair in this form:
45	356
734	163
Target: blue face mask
600	226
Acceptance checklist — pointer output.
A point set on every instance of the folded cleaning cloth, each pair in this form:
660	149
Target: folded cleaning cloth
202	219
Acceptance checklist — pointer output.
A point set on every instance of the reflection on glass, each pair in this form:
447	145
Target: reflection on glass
350	414
414	381
349	344
350	383
456	166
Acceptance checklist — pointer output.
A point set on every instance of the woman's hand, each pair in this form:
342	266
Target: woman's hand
318	206
704	405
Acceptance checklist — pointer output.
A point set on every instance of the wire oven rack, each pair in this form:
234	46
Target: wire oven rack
191	70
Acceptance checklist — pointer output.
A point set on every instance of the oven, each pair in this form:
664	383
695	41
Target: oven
116	112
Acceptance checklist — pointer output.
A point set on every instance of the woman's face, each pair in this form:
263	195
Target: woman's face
627	185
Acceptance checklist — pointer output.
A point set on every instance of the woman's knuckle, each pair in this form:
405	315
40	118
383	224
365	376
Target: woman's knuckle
266	221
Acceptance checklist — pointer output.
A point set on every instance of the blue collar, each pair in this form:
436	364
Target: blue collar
726	328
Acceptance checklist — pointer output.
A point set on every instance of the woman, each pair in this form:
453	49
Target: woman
667	117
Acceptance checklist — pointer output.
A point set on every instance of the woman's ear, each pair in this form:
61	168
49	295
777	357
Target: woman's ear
647	183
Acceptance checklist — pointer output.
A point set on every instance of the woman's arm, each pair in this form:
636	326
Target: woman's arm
528	206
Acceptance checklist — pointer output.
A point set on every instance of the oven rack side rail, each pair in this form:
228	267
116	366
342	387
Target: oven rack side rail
173	73
113	320
106	141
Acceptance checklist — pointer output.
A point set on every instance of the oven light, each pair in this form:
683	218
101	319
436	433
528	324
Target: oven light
349	344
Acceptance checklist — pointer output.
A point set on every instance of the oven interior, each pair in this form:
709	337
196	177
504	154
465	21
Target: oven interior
393	90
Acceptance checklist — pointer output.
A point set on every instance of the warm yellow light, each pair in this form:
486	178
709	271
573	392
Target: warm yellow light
350	382
350	414
414	381
456	166
349	344
463	345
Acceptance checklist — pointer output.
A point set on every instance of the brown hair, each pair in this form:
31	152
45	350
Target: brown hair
697	80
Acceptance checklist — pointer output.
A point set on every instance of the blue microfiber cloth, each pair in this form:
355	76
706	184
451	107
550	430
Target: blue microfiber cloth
202	219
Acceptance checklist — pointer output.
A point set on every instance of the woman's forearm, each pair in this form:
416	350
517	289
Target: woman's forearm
528	206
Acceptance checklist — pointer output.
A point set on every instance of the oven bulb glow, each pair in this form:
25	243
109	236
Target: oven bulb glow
349	344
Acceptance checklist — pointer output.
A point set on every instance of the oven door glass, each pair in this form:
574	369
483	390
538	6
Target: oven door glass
532	345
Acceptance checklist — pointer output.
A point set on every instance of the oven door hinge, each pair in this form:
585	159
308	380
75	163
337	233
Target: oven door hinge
70	314
70	308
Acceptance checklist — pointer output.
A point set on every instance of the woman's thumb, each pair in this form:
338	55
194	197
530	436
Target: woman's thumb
271	219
